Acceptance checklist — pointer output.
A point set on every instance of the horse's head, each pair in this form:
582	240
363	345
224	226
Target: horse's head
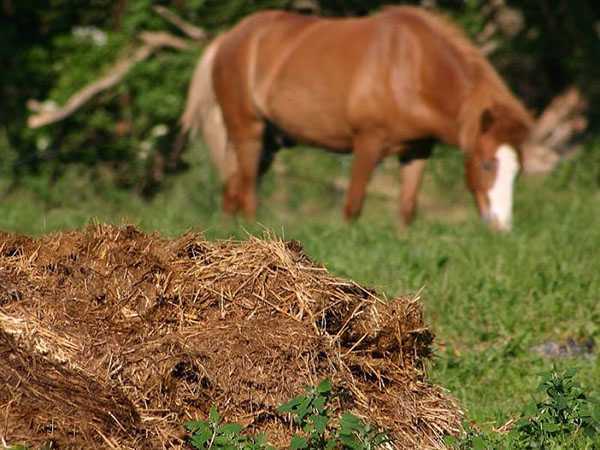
494	162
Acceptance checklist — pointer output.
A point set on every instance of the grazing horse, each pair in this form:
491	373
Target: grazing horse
391	83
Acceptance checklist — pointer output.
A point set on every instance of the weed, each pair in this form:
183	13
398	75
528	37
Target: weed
216	435
566	416
310	412
565	411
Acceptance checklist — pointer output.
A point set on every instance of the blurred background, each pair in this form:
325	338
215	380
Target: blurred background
91	91
90	97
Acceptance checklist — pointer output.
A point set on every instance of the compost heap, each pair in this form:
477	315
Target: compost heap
112	338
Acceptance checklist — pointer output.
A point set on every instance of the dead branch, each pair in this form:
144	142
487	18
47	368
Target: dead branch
489	47
566	106
152	42
190	30
500	20
554	132
157	39
308	6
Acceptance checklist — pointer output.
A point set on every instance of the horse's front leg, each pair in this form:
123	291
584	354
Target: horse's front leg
367	153
412	167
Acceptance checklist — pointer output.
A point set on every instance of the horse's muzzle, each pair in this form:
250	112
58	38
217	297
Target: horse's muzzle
495	224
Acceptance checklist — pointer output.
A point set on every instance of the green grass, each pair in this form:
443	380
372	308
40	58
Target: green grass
489	297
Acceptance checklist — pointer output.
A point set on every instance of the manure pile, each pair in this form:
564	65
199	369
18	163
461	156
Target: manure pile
112	338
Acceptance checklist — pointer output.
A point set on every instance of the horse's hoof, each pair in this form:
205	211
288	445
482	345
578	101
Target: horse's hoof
350	218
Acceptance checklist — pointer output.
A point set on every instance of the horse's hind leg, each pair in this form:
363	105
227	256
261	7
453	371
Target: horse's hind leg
413	165
367	153
241	188
231	188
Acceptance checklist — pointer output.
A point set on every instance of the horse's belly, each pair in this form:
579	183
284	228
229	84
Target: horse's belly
310	118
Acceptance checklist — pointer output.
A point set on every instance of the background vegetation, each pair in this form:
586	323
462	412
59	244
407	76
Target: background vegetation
499	304
51	49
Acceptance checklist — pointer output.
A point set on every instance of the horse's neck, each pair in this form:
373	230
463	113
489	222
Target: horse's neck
478	99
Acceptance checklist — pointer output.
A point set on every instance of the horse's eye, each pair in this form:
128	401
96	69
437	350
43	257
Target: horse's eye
488	165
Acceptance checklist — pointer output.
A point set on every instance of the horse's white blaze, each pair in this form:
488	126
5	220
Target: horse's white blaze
501	193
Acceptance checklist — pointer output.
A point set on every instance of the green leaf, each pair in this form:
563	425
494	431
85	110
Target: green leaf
213	415
222	441
570	372
521	423
349	423
479	443
595	412
194	425
302	409
199	440
330	444
324	386
320	423
351	443
552	427
530	410
261	439
231	428
347	440
451	441
319	403
291	405
298	442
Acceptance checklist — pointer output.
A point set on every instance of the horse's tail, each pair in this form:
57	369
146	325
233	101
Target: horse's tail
202	112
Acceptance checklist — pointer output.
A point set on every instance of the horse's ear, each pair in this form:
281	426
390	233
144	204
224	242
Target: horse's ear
519	132
486	120
509	127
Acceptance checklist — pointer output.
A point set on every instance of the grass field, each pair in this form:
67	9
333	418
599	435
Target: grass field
489	298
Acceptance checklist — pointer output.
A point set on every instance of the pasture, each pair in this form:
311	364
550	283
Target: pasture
491	299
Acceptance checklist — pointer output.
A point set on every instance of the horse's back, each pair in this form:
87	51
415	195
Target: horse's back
310	65
405	71
239	45
314	73
230	69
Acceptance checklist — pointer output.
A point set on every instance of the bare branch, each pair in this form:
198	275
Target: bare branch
311	6
488	32
191	30
563	133
152	42
553	134
161	39
489	47
500	20
567	105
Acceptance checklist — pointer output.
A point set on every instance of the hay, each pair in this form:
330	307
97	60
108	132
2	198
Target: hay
111	338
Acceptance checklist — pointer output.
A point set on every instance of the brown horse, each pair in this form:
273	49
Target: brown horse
392	83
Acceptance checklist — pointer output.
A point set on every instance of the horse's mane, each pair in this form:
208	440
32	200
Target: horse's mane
439	24
489	87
